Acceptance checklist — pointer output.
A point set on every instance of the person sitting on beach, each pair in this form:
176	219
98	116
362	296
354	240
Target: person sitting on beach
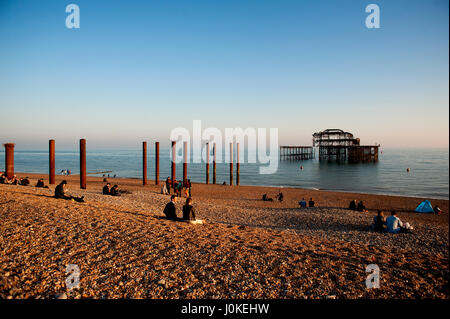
40	183
394	225
361	207
106	189
24	181
437	210
280	197
188	210
3	179
170	209
378	222
302	203
311	202
114	191
352	205
60	190
266	199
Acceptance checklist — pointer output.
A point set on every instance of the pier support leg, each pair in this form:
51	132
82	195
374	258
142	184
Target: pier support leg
231	163
207	163
51	161
157	163
9	160
214	163
83	163
185	156
144	163
237	164
174	157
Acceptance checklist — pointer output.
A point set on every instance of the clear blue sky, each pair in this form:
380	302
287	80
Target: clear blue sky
137	69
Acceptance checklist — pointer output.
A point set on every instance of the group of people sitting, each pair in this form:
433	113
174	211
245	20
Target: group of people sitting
360	207
391	224
303	203
279	197
177	187
113	191
170	211
20	181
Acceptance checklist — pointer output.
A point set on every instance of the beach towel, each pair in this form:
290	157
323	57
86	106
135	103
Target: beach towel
424	207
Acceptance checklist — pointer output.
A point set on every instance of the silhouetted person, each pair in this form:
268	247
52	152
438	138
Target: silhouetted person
280	197
302	203
114	191
25	181
188	210
170	209
60	192
378	222
40	183
106	189
361	207
311	202
352	205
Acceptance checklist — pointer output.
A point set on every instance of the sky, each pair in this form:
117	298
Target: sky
135	70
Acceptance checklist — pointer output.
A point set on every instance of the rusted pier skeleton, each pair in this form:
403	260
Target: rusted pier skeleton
340	146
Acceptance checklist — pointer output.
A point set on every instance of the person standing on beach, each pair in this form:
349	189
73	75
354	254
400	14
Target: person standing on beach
168	184
280	196
170	209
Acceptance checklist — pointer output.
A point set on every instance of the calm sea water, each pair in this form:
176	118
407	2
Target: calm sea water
429	175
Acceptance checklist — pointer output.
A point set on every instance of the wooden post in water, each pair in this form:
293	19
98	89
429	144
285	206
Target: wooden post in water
82	163
231	163
157	163
9	160
214	163
207	163
51	161
144	163
237	163
185	157
174	157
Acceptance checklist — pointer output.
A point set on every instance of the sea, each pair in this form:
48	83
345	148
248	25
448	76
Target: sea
428	174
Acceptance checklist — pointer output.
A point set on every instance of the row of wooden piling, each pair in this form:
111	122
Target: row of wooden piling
9	162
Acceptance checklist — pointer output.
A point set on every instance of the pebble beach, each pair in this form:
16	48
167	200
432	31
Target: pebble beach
246	248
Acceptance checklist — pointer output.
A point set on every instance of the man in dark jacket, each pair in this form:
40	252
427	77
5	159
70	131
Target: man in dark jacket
106	189
170	209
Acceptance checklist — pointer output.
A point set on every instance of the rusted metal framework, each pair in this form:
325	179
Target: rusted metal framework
296	152
340	146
